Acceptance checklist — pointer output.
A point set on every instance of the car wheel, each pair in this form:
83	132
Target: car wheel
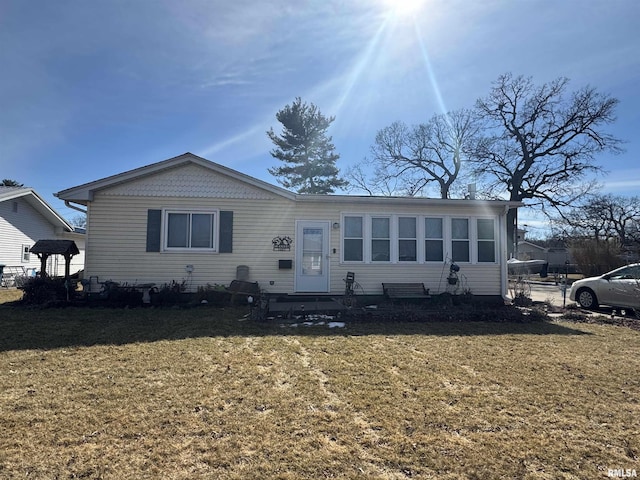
587	299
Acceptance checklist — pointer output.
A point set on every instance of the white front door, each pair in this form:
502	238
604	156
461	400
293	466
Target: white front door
312	256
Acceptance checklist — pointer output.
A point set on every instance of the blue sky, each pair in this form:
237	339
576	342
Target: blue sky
89	89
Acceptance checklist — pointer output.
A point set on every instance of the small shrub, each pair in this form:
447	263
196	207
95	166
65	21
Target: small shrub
522	300
216	295
169	294
124	296
45	291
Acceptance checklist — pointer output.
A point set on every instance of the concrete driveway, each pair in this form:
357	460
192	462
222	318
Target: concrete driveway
549	293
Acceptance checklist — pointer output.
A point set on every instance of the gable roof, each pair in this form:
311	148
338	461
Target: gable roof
30	196
533	245
55	247
84	193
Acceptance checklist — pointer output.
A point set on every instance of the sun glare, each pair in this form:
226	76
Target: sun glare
403	8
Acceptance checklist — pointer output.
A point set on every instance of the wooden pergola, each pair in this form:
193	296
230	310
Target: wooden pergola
45	248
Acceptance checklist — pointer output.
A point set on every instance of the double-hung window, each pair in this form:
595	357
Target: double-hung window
380	239
486	240
407	239
460	239
191	230
353	239
433	239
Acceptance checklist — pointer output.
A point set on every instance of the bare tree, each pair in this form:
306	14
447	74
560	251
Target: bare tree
545	140
605	217
79	220
407	160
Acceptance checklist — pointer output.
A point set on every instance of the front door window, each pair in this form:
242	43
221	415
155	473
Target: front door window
312	251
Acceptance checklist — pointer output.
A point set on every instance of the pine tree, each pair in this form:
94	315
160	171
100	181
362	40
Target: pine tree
10	183
308	155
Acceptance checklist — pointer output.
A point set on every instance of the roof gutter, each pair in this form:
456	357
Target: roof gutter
67	203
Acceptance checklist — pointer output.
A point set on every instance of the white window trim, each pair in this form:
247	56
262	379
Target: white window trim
420	232
393	247
343	238
396	221
495	239
26	254
422	235
165	230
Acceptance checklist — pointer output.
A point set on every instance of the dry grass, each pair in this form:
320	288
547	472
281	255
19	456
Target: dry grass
122	394
9	295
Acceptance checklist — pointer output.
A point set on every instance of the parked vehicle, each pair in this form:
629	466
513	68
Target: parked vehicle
618	288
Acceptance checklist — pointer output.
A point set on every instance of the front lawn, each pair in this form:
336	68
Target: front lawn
205	393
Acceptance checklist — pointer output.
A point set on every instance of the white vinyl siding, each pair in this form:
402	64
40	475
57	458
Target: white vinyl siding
117	241
21	225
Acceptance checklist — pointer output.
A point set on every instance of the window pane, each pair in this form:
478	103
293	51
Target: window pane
201	230
407	251
353	250
460	228
380	250
460	251
485	229
433	227
407	227
486	252
353	227
380	227
434	251
177	230
312	250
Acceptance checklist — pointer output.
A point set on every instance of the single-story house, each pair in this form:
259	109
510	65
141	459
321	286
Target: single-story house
556	257
26	218
189	220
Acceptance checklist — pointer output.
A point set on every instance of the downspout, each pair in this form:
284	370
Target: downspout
504	277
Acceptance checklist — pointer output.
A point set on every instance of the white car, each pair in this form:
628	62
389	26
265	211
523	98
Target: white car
618	288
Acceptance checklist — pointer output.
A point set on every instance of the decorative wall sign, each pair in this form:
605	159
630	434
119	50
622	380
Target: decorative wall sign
281	244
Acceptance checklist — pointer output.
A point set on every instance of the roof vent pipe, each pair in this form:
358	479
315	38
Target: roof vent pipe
472	191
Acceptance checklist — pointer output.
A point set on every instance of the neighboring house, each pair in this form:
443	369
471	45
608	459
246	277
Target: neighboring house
26	218
556	257
531	251
192	220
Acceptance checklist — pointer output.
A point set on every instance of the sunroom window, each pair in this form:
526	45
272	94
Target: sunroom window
486	240
407	239
353	239
434	240
380	239
460	239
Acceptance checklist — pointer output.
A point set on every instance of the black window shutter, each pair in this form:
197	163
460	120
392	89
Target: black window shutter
226	232
154	219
